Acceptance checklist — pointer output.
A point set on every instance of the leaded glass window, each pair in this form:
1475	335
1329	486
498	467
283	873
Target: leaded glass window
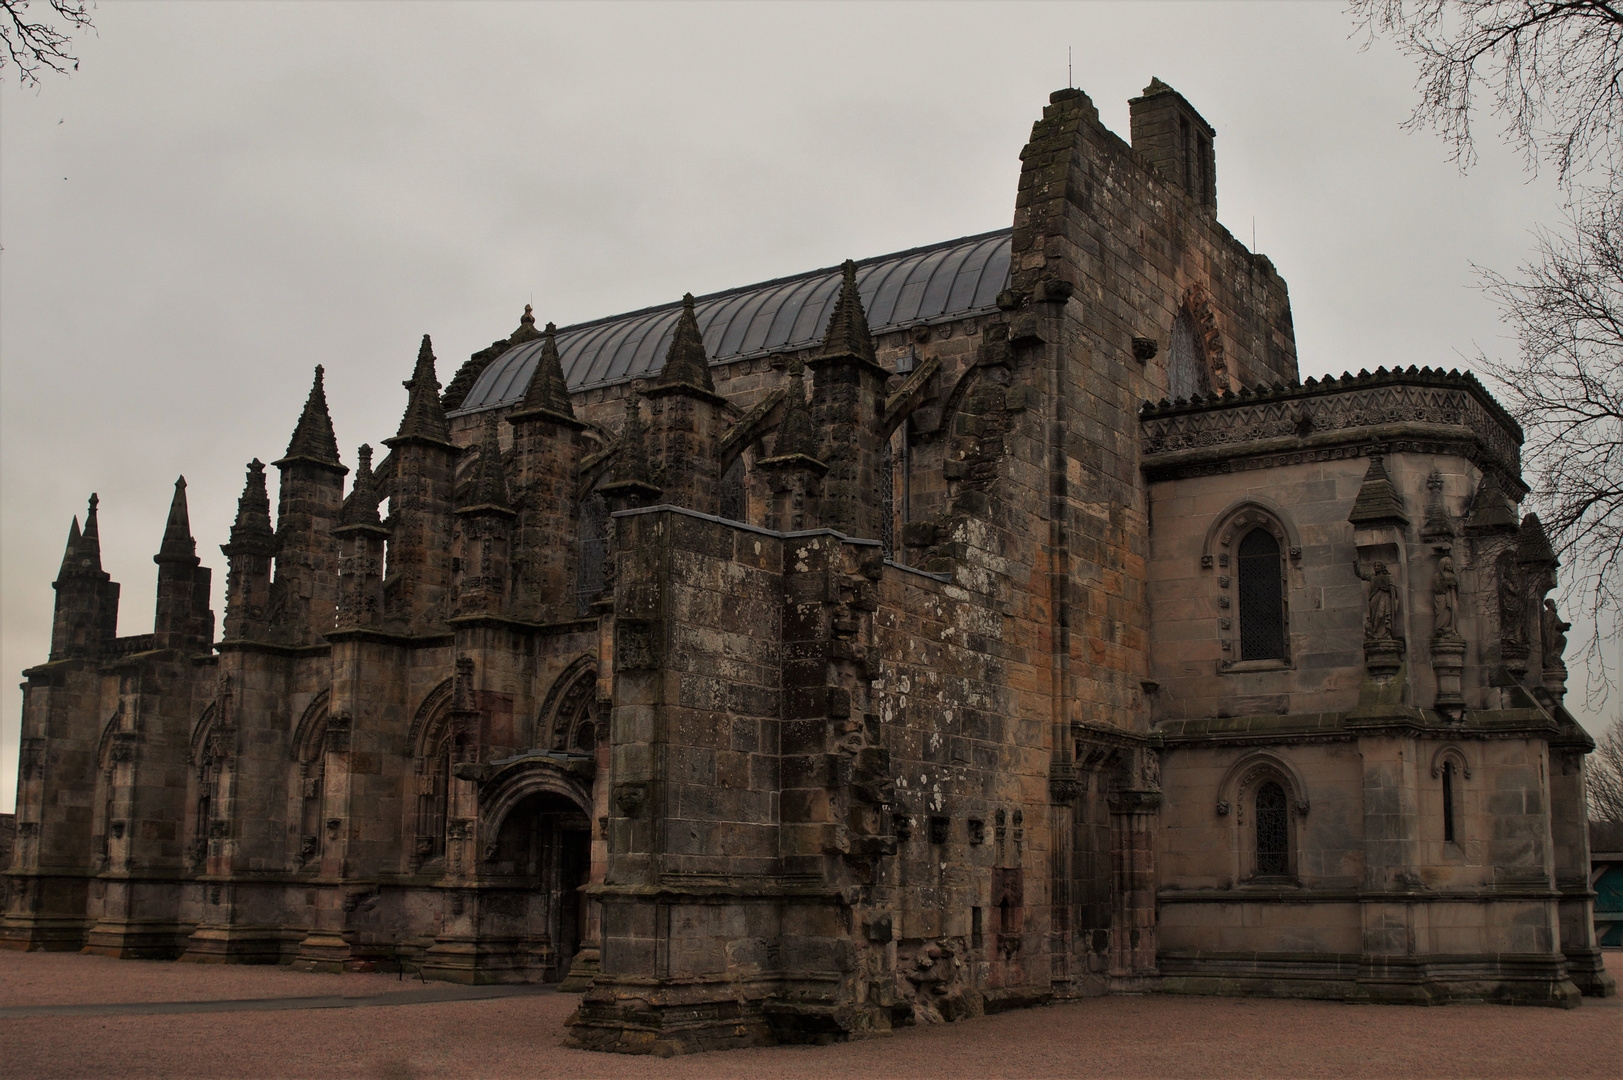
1273	833
1262	598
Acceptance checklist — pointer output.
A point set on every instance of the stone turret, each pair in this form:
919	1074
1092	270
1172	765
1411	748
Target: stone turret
86	597
309	497
248	573
182	619
361	536
546	450
418	582
687	420
848	396
1177	140
484	521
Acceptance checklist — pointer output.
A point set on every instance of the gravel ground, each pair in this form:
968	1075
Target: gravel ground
1150	1037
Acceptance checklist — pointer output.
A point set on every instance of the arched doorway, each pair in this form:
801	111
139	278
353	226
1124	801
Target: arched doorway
539	861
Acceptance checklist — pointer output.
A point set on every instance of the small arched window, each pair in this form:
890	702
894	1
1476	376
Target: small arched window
1262	597
1273	831
1448	802
1186	362
591	578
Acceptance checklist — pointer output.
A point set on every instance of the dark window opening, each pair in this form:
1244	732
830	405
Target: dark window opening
1186	365
887	501
1273	837
732	491
977	933
592	573
1448	802
1262	598
938	829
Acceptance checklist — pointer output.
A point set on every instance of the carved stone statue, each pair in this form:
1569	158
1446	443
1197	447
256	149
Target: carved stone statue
1555	635
1445	591
1512	602
1381	624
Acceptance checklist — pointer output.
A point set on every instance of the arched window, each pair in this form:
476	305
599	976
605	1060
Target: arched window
433	797
887	500
1262	597
1448	802
1273	831
1186	361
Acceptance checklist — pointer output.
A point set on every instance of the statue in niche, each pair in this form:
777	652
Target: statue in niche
1555	635
1512	602
1445	591
1381	624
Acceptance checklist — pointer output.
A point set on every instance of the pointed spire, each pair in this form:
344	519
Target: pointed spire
313	438
686	362
1378	501
361	508
178	544
70	560
252	533
90	539
488	487
547	392
631	462
425	416
796	433
848	333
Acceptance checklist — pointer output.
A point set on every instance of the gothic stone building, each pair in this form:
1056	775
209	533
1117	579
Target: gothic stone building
855	649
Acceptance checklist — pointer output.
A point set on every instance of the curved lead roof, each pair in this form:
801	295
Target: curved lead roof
955	279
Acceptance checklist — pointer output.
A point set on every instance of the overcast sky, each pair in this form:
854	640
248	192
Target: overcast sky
225	195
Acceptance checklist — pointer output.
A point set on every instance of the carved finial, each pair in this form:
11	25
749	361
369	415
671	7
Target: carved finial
361	508
489	484
252	533
313	438
425	415
547	391
685	361
177	533
847	333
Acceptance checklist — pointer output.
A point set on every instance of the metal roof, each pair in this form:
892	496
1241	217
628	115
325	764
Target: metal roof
954	279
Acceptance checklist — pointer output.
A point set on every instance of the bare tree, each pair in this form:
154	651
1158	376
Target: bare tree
1566	389
1551	69
1605	777
31	46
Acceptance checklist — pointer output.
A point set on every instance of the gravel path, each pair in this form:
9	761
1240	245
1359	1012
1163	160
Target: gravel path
1150	1037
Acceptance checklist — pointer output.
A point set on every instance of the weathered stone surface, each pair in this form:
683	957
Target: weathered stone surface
965	680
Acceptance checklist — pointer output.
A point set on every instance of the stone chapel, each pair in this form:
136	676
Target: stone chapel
980	625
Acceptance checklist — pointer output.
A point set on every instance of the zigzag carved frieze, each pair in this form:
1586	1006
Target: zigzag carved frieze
1231	425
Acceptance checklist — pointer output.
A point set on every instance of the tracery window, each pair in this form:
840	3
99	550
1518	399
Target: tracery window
1260	577
1273	831
433	796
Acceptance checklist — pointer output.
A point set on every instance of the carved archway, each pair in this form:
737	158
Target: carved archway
568	705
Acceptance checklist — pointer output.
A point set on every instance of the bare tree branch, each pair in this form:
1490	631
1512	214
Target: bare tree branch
1565	387
1551	70
1604	777
31	46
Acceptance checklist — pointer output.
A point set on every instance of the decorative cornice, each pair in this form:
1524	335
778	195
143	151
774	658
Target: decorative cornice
1411	410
